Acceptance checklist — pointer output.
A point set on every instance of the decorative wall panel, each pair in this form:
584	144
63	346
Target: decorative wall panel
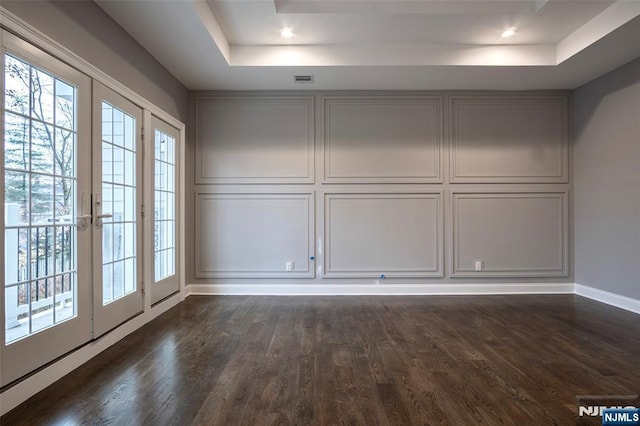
382	139
255	139
512	234
390	234
243	235
502	139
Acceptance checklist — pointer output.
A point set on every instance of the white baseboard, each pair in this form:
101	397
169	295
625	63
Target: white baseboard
305	289
613	299
20	392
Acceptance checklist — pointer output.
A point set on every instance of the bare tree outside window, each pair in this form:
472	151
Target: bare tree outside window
39	145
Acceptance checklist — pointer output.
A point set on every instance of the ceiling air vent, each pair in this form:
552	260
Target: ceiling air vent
303	79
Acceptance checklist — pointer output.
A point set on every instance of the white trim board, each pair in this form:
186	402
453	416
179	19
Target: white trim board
20	392
606	297
303	289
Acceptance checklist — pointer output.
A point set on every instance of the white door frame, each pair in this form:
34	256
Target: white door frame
18	392
108	317
169	285
27	354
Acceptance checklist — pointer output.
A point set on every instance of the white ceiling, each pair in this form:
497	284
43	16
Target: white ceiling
384	44
258	23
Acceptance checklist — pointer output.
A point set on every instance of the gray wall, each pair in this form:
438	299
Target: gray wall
415	186
607	182
86	30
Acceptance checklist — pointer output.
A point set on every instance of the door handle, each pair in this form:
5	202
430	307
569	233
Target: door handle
99	215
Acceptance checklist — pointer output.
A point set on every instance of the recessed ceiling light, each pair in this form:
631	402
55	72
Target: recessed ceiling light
509	32
286	32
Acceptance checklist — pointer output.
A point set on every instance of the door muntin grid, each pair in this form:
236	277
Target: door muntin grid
164	208
118	204
40	199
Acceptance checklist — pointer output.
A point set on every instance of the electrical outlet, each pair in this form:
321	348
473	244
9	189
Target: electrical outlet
290	266
478	265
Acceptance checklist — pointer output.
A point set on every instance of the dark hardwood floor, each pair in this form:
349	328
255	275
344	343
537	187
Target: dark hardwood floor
353	360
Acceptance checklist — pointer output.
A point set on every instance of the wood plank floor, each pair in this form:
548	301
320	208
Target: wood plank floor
248	360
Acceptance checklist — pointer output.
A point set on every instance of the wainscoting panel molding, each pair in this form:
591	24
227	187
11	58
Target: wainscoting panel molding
506	139
391	139
511	234
400	188
254	235
260	139
383	235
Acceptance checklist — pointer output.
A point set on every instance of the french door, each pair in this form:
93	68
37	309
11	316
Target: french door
46	177
162	171
72	221
117	204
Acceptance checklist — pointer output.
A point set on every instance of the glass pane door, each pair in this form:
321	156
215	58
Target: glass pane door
46	236
165	280
117	202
